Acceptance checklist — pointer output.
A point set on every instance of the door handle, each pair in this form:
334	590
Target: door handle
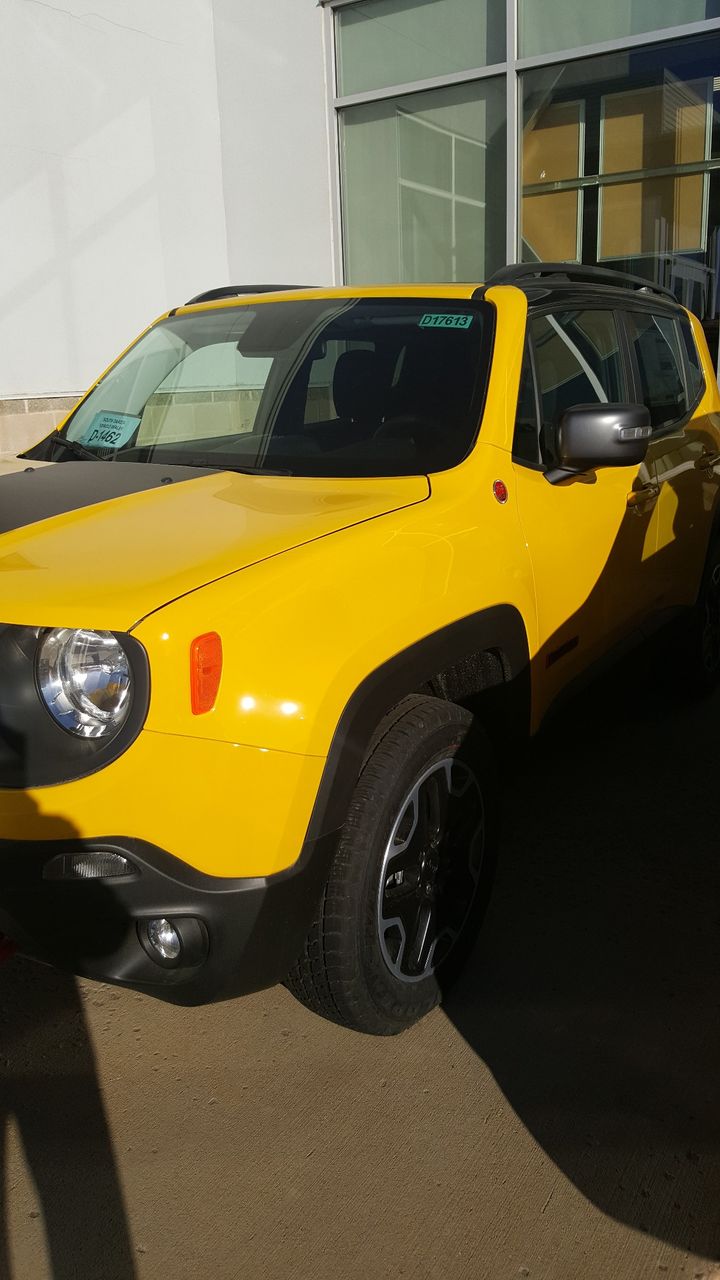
641	497
707	461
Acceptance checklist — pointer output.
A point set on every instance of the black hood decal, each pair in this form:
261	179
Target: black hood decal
39	493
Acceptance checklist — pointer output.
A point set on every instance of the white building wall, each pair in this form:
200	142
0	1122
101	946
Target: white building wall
275	143
111	190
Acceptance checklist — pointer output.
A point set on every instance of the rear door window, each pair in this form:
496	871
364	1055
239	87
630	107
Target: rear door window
655	341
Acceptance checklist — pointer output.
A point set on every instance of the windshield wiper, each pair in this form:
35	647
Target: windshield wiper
73	446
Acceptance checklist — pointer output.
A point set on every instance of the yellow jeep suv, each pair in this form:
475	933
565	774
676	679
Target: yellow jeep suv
274	588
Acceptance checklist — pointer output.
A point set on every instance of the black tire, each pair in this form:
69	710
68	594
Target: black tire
426	799
700	645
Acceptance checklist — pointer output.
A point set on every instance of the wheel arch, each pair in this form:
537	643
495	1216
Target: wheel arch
489	647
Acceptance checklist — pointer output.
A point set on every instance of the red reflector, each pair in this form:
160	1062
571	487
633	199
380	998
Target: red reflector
205	671
501	491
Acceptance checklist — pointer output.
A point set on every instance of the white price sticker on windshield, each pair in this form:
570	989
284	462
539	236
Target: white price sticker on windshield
109	430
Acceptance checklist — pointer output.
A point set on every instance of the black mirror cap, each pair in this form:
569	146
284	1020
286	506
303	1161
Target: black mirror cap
603	435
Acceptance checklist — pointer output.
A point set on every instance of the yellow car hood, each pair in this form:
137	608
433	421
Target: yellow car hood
102	544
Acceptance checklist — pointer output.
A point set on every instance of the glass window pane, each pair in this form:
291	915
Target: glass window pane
213	391
657	216
469	240
425	153
618	155
655	128
546	26
425	235
469	169
552	146
388	42
551	226
577	360
655	341
423	180
360	387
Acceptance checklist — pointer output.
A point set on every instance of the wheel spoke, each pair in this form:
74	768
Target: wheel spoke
430	870
423	938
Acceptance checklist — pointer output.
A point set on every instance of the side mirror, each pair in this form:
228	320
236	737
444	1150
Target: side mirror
600	435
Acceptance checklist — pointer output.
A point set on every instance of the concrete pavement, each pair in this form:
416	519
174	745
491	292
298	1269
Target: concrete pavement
558	1120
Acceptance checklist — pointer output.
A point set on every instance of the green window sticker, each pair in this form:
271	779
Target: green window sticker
445	320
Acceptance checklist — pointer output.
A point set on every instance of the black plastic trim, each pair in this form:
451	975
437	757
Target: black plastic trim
498	628
255	927
237	291
243	934
530	273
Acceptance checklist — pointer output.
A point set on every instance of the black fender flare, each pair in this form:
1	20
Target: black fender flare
500	628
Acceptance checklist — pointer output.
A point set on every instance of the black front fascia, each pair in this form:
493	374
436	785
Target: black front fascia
34	750
254	927
39	493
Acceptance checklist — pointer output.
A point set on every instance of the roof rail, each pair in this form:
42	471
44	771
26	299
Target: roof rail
527	272
236	290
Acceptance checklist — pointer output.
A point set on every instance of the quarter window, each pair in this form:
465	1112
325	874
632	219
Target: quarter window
657	350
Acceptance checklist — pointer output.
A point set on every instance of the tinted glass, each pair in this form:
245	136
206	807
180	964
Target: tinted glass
620	151
662	386
319	387
577	361
695	376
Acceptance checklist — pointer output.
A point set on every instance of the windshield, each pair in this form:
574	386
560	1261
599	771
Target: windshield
331	387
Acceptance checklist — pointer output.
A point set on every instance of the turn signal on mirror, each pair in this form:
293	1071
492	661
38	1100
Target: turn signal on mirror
205	671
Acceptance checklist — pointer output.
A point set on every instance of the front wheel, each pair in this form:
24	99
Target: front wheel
411	876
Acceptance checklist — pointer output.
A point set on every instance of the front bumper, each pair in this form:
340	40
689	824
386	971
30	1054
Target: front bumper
252	929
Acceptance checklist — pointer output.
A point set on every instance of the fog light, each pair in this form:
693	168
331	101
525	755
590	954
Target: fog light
164	938
88	866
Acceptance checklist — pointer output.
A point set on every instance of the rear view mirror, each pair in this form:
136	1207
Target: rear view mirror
600	435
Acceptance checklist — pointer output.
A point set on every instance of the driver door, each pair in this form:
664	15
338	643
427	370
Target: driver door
592	538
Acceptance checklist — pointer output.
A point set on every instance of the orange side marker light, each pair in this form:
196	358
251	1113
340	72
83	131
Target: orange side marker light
206	661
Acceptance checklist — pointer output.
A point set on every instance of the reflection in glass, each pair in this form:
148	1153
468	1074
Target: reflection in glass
621	166
546	26
424	185
389	42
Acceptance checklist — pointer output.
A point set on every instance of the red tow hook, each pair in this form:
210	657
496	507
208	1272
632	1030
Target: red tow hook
7	948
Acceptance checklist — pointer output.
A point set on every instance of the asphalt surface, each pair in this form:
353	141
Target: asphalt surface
557	1119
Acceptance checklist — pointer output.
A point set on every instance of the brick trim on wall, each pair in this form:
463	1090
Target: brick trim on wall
26	419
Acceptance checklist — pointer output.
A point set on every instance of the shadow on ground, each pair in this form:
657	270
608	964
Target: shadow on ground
48	1086
50	1090
594	993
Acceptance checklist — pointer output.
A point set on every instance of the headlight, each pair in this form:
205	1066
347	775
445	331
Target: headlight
85	681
